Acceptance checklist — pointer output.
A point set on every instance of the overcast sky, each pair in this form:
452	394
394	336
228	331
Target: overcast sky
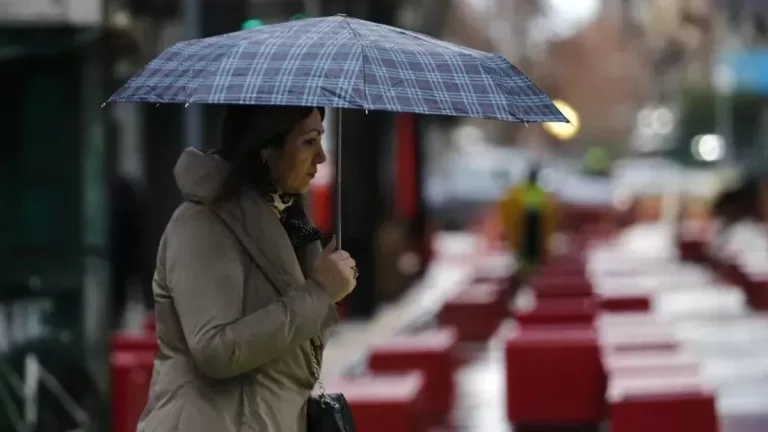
562	18
565	18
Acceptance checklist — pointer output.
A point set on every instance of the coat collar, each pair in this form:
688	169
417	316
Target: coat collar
257	227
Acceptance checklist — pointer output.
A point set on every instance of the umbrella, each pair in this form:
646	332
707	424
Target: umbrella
340	62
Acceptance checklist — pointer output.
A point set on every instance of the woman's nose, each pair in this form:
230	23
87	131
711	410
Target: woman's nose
320	158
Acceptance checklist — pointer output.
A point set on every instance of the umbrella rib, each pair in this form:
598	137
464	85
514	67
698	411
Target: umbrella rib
501	88
362	60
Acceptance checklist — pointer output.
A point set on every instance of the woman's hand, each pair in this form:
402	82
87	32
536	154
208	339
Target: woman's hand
335	272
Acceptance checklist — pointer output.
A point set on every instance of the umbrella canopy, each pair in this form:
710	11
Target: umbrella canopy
341	62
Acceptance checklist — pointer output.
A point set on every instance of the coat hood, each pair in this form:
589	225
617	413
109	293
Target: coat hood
199	175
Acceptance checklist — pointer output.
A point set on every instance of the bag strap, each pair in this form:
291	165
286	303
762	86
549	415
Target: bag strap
313	347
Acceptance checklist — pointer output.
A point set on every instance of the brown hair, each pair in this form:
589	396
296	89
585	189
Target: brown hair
245	132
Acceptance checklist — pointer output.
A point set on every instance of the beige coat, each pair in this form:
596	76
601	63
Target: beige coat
234	332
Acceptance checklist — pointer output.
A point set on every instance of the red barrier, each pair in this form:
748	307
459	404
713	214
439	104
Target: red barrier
476	312
729	272
756	291
384	403
127	341
666	404
611	320
149	325
554	378
692	249
637	339
565	311
637	364
561	286
624	302
563	266
430	352
131	373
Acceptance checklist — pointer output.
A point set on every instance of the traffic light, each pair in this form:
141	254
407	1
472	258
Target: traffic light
252	24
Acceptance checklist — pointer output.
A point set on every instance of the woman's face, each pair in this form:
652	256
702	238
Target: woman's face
295	165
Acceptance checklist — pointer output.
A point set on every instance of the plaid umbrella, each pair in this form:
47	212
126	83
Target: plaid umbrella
341	62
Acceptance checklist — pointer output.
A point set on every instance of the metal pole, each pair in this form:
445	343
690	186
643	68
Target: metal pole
312	8
337	172
193	113
724	85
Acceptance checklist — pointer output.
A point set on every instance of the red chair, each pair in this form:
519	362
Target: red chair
554	378
131	373
668	403
561	311
384	403
476	312
433	353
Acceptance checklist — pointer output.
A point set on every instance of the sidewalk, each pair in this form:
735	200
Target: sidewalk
709	318
451	270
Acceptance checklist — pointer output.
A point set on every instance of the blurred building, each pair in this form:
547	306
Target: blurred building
596	69
682	37
601	72
53	223
608	67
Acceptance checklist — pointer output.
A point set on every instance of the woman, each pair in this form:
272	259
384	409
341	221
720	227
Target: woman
243	292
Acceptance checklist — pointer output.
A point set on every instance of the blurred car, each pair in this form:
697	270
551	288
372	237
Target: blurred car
471	178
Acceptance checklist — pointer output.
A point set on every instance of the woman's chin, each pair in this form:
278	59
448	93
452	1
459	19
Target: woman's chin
298	189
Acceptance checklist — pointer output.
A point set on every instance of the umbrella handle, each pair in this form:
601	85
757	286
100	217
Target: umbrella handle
337	171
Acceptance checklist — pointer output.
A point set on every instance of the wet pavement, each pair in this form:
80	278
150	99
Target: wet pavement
710	318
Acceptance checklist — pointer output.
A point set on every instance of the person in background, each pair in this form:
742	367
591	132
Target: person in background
529	218
124	242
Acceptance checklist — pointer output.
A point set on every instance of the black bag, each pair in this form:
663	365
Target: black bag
327	412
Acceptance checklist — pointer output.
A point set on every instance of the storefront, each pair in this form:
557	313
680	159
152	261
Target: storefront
53	283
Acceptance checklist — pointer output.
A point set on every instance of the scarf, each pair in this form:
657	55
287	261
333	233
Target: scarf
291	214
